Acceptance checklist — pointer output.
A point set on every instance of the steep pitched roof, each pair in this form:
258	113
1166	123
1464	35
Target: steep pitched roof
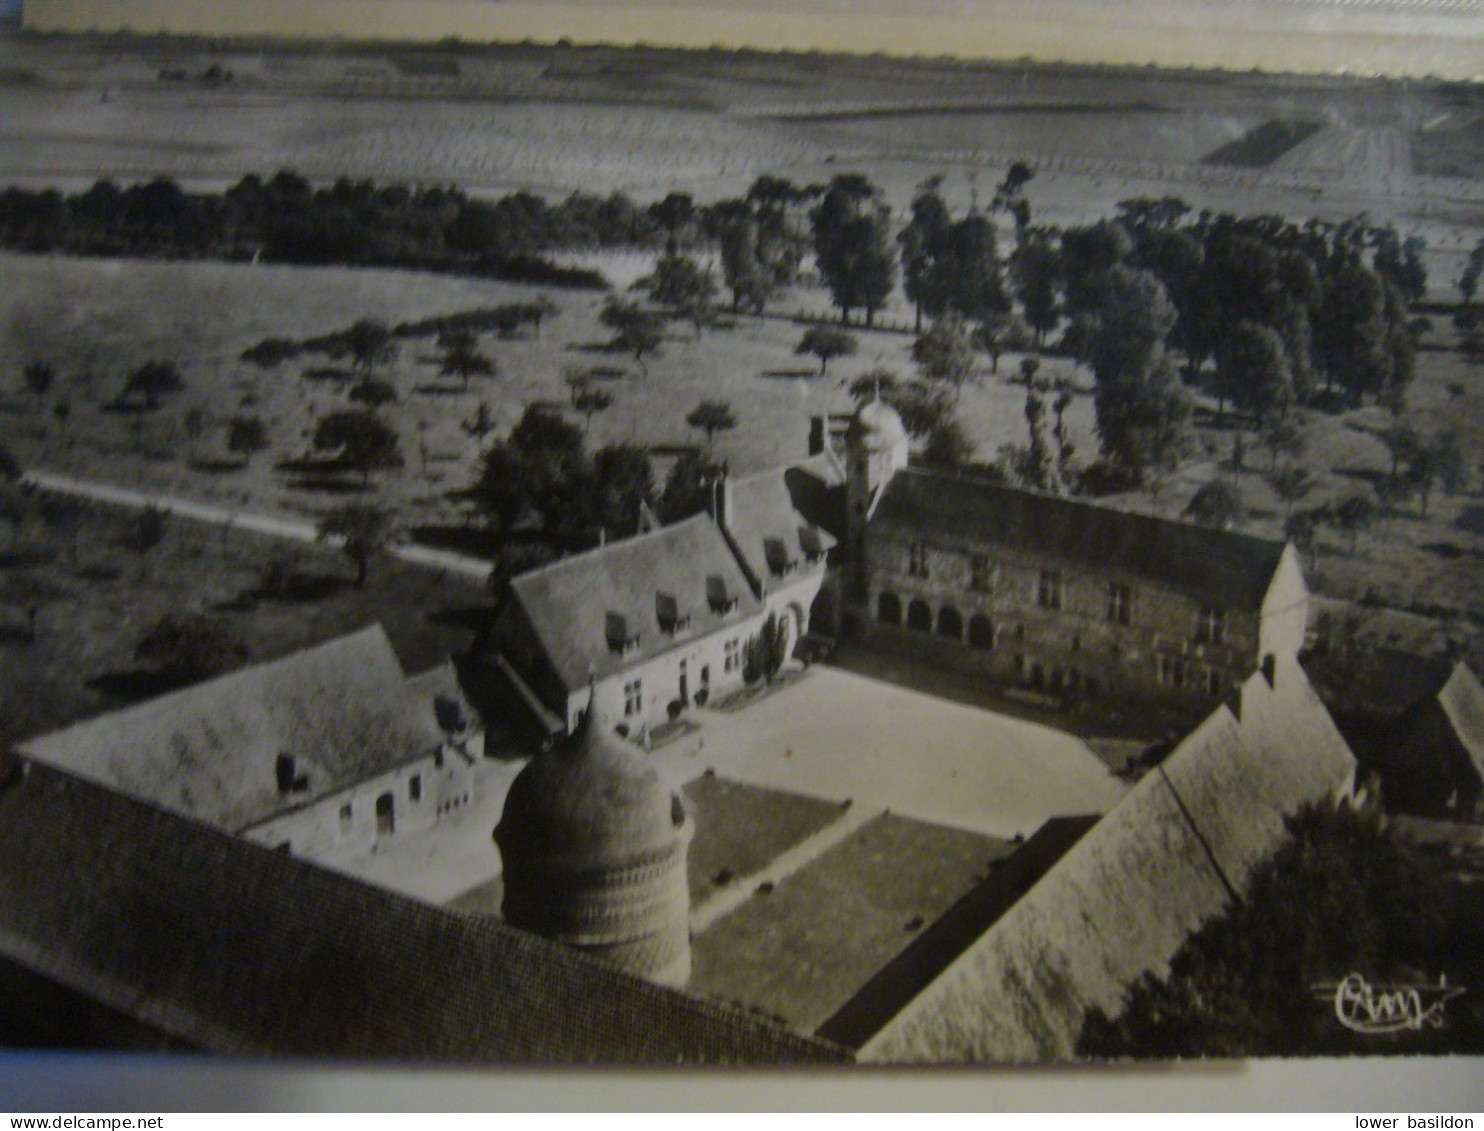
1218	565
1122	901
234	948
343	710
766	526
580	607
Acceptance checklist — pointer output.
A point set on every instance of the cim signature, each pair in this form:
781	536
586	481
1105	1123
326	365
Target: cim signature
1364	1008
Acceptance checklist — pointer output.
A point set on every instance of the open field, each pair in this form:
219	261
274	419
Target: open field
94	327
557	120
106	598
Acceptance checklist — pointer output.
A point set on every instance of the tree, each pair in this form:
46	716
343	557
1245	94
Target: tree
826	343
689	289
187	648
764	655
39	377
32	593
1468	282
852	245
1002	330
635	330
948	447
370	344
145	531
1216	503
590	401
712	417
153	381
1290	483
1252	371
373	392
62	413
461	357
945	354
10	467
919	243
1035	270
65	517
482	423
365	442
622	484
1353	515
361	530
1282	437
687	489
747	276
195	423
247	435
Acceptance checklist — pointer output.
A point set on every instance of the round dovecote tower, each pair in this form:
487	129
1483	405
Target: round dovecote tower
593	845
876	447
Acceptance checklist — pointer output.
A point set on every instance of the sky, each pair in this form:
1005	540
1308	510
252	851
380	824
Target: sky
1415	37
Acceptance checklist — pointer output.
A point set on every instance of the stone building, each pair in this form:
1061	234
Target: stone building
639	630
326	751
1056	594
593	846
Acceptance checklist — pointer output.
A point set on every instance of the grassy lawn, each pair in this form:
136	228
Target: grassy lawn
82	662
800	951
741	828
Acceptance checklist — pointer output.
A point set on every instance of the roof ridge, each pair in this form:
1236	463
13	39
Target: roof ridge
1089	504
197	690
586	556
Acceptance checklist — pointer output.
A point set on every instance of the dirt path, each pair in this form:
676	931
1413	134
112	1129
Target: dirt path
269	525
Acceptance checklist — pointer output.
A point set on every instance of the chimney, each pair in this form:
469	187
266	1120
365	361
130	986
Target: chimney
722	503
818	427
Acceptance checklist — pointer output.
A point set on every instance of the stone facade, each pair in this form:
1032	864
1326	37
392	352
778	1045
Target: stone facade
409	799
1056	595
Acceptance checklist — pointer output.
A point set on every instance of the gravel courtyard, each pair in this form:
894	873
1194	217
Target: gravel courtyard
837	735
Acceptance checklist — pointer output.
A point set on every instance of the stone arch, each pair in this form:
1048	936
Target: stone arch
981	632
919	616
889	609
950	623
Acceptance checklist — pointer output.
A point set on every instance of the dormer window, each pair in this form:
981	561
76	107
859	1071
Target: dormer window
778	557
621	638
718	597
667	612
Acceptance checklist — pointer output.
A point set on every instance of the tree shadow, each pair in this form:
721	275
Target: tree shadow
805	372
605	373
100	573
431	390
1471	519
132	685
475	618
329	373
217	466
457	538
13	634
311	465
1449	551
27	556
328	485
298	589
595	347
1363	474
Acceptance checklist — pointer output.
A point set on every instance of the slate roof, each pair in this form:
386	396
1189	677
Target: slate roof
235	948
1462	701
766	526
1231	569
578	605
343	710
1124	899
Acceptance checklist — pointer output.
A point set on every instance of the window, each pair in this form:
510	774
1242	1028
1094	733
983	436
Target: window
1211	629
981	580
1120	604
1171	672
1048	593
732	656
347	818
1213	682
889	609
981	632
633	698
415	788
917	563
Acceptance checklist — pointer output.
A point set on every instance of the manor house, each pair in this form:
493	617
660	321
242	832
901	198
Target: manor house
1056	594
